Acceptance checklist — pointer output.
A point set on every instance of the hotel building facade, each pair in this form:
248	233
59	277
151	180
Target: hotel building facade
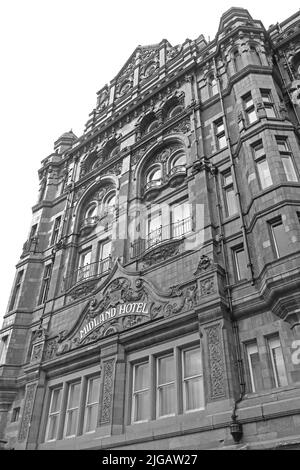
156	303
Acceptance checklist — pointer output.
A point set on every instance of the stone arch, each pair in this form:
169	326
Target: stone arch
106	183
148	159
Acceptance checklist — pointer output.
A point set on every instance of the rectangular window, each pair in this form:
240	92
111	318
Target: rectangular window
3	348
154	229
277	362
279	238
240	263
180	219
54	413
72	410
192	377
165	386
254	366
287	160
140	399
229	194
263	170
55	232
220	134
249	108
92	404
268	103
104	258
15	415
45	283
16	291
84	267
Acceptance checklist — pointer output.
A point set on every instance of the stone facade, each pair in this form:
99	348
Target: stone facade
169	230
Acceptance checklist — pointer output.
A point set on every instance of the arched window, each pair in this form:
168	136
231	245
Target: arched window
176	110
91	211
153	177
213	86
153	125
255	57
179	160
110	203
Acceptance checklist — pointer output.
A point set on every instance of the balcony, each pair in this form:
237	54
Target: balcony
177	175
164	233
88	272
152	188
88	224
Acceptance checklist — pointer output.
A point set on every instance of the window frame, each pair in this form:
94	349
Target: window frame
57	412
229	186
268	102
237	271
134	392
249	108
185	379
275	223
249	345
287	153
16	290
220	134
273	365
68	410
90	405
160	386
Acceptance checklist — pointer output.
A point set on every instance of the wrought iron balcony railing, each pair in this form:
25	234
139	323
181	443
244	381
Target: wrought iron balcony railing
88	271
163	233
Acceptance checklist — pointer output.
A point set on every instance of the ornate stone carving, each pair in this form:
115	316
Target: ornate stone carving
83	289
207	286
37	352
182	127
27	411
204	264
50	349
161	252
216	362
107	397
173	52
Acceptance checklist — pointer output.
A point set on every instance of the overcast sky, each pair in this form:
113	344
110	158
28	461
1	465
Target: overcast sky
55	56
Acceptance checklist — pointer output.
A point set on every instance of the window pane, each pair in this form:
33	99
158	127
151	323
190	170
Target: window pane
71	422
194	394
179	161
251	116
264	174
93	390
180	211
53	425
166	400
241	265
141	408
289	168
280	239
56	399
231	202
277	362
91	418
74	395
106	250
270	112
254	367
192	362
282	146
166	370
222	142
141	376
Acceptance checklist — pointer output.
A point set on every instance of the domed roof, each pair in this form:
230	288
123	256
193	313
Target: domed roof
69	135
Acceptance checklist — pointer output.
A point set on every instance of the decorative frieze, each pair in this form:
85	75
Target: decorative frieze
27	411
107	395
216	362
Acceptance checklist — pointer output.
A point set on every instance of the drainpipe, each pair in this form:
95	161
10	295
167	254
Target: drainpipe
236	429
233	172
235	426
